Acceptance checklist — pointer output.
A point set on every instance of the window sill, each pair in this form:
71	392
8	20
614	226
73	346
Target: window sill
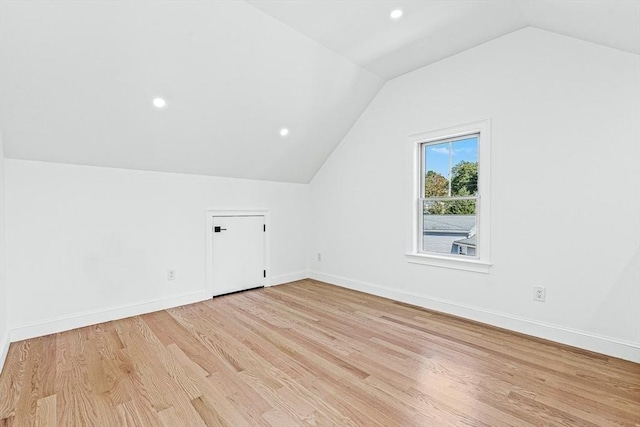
474	265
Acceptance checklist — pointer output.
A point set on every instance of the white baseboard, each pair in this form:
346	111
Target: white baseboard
79	320
286	278
4	349
622	349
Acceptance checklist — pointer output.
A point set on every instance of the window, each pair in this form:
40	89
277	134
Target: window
450	202
450	196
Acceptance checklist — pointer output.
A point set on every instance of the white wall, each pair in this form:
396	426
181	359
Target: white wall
565	190
89	244
4	330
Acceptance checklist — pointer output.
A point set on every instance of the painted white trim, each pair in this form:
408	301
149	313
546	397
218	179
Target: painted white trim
4	350
281	279
212	212
416	182
610	346
4	306
457	263
79	320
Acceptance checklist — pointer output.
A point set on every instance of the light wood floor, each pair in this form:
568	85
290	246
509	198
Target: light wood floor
309	353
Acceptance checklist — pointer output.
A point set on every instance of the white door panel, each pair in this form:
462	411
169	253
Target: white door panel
238	253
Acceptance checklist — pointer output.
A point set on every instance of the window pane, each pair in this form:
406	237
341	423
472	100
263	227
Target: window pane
464	167
449	227
451	168
436	166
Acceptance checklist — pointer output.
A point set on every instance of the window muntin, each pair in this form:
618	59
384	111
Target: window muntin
449	196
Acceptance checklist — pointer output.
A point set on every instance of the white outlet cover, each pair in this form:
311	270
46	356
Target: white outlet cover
539	294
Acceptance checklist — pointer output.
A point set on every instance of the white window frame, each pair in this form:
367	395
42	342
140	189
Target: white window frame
481	263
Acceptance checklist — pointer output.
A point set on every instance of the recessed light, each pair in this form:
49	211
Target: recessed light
396	14
284	132
159	102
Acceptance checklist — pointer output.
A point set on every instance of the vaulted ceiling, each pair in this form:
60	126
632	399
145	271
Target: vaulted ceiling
431	30
77	78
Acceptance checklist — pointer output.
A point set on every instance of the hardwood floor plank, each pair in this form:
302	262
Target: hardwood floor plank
46	412
160	381
208	413
338	375
170	331
12	378
170	417
27	403
190	367
135	413
309	353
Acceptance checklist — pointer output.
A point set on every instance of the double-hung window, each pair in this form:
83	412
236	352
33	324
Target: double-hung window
451	198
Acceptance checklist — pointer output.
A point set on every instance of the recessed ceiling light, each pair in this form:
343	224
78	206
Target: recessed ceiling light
159	102
284	132
396	14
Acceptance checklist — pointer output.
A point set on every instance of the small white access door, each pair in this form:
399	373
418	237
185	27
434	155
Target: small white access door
238	246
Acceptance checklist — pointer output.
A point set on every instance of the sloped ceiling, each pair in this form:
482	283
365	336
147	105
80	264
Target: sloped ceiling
77	78
431	30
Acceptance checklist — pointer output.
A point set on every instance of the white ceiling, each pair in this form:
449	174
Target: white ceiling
431	30
77	78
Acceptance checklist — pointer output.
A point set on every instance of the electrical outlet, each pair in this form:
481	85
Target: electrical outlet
539	293
319	257
171	275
